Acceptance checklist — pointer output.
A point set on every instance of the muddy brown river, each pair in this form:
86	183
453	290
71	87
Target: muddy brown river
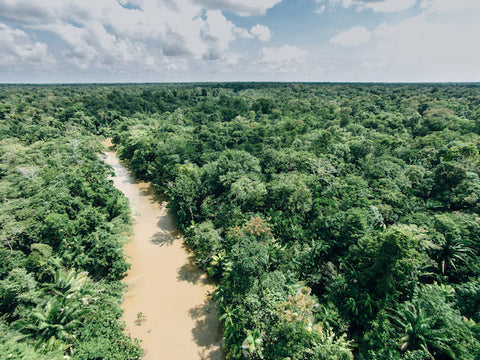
166	305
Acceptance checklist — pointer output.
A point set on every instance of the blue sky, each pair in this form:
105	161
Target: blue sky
239	40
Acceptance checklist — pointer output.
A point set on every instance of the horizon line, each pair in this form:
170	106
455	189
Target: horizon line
245	82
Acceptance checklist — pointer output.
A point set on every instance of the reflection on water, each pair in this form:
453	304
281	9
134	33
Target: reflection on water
165	287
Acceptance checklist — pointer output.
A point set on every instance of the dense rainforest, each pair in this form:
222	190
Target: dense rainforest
339	221
62	230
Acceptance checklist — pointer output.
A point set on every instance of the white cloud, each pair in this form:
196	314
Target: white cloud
188	40
240	7
430	47
352	37
114	35
388	5
375	5
18	49
262	32
320	9
422	38
218	32
26	11
373	64
448	6
282	58
93	44
232	59
436	44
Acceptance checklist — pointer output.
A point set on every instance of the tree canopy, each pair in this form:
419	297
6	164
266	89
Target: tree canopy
340	221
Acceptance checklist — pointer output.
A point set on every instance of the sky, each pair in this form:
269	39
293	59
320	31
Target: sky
117	41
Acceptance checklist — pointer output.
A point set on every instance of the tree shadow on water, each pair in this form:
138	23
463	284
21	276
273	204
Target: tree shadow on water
162	238
191	272
206	332
156	197
216	354
166	234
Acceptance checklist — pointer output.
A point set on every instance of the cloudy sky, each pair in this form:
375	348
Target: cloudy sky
239	40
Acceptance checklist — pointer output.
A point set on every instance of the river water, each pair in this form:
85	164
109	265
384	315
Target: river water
178	322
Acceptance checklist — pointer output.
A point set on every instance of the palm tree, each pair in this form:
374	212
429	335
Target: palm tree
69	283
252	345
452	253
55	323
418	332
228	315
332	347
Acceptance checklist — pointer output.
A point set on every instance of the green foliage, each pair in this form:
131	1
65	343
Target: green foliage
207	244
368	193
17	290
13	346
430	323
298	336
365	191
468	300
62	226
